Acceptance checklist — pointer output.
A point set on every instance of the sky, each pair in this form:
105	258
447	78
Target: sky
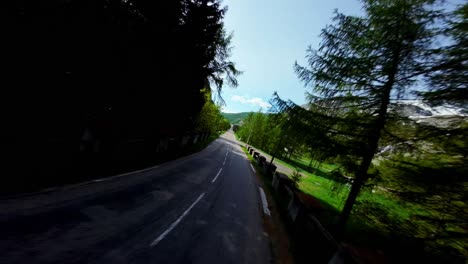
269	36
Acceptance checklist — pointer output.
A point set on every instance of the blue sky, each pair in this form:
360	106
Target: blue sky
269	36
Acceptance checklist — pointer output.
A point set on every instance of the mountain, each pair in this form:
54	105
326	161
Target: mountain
441	116
235	118
424	116
419	109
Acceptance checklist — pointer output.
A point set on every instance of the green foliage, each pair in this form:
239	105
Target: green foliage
220	69
432	175
235	118
362	62
447	78
257	130
418	189
296	177
210	118
224	125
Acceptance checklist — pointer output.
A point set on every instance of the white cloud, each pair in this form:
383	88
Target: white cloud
253	101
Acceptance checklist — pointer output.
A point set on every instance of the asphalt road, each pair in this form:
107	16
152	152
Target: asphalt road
203	208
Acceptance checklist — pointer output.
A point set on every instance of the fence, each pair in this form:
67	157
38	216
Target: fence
310	238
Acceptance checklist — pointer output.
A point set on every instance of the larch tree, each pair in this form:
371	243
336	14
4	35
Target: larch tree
362	63
448	78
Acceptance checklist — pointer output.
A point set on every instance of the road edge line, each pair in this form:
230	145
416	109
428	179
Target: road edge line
252	167
264	201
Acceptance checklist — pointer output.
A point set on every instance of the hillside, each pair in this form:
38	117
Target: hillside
235	118
418	109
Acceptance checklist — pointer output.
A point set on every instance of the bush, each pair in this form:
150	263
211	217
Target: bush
296	177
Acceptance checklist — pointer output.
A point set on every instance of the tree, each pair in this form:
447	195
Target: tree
224	125
362	63
110	67
210	118
447	75
261	130
221	69
209	115
428	170
253	131
427	165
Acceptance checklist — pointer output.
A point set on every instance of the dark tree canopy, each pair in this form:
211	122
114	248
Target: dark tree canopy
115	71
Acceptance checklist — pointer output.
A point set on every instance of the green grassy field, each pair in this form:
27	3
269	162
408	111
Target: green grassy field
377	215
379	219
323	166
333	194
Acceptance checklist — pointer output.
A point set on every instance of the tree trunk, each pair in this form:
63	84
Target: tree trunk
374	137
361	177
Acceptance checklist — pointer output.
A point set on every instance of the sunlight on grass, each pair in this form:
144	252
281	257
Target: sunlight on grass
375	209
321	188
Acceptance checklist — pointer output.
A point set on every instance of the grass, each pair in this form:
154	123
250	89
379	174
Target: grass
379	220
305	162
314	185
302	165
321	188
334	194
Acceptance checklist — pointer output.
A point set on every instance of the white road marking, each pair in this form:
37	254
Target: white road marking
253	169
216	177
264	201
173	225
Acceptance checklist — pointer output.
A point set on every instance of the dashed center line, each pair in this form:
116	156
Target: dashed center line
173	225
253	169
216	177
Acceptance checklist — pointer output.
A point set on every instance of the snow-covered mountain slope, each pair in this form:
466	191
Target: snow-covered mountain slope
416	109
443	116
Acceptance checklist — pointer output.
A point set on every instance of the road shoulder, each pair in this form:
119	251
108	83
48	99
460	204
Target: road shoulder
273	224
